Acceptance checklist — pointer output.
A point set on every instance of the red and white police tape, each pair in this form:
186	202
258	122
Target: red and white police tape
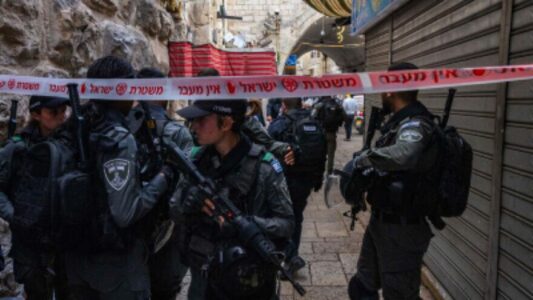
264	86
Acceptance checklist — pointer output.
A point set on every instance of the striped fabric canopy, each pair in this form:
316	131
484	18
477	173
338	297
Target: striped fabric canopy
332	8
187	60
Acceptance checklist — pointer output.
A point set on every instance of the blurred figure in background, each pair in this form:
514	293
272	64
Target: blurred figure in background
255	110
350	107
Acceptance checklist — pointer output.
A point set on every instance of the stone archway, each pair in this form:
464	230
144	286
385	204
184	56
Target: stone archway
334	41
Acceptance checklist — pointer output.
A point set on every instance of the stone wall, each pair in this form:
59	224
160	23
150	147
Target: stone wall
294	15
259	19
61	38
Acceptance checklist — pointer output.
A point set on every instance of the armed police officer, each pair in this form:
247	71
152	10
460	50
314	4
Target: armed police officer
253	181
331	115
257	133
24	201
166	268
110	262
296	126
398	234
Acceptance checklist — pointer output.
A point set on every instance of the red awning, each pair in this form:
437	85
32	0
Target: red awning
187	60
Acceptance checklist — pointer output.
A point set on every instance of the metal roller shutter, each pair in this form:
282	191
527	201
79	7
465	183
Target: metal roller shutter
498	223
458	33
515	264
377	53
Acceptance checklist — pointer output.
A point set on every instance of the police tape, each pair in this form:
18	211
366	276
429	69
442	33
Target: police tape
265	86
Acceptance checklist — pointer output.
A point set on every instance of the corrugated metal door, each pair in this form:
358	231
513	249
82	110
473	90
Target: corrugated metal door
515	264
466	33
377	53
458	33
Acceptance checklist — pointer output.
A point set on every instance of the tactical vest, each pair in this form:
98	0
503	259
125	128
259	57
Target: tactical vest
102	233
404	192
156	227
30	195
201	238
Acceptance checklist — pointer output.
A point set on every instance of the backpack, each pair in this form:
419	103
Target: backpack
443	191
332	116
455	172
308	140
46	184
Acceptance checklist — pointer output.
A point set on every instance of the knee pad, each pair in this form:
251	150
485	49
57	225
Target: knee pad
358	291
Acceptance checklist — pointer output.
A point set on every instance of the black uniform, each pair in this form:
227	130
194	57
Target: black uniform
116	265
397	236
166	267
254	181
40	270
331	115
300	182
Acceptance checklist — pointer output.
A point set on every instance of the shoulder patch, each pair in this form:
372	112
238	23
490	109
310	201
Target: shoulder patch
117	173
276	166
410	136
269	158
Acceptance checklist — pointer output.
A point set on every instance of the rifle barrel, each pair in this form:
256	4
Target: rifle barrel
373	124
448	107
74	97
12	126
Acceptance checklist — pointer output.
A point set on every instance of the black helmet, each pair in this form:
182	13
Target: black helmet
238	273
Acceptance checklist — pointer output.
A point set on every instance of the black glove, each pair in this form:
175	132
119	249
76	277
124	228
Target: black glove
193	201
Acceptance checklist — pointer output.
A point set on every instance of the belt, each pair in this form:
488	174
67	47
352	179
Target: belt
390	218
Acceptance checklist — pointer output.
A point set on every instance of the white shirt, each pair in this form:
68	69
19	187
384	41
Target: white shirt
350	106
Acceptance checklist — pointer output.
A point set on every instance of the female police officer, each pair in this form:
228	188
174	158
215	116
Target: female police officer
22	202
253	180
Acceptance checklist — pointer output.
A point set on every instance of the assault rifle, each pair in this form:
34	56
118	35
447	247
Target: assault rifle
248	232
12	125
153	142
374	123
447	108
436	220
79	124
358	202
155	160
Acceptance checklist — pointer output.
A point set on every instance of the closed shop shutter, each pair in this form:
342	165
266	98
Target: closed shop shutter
515	264
466	33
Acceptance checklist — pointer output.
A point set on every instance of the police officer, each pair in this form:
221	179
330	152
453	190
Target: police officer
39	269
397	236
257	132
273	109
166	269
251	177
301	180
112	265
331	115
